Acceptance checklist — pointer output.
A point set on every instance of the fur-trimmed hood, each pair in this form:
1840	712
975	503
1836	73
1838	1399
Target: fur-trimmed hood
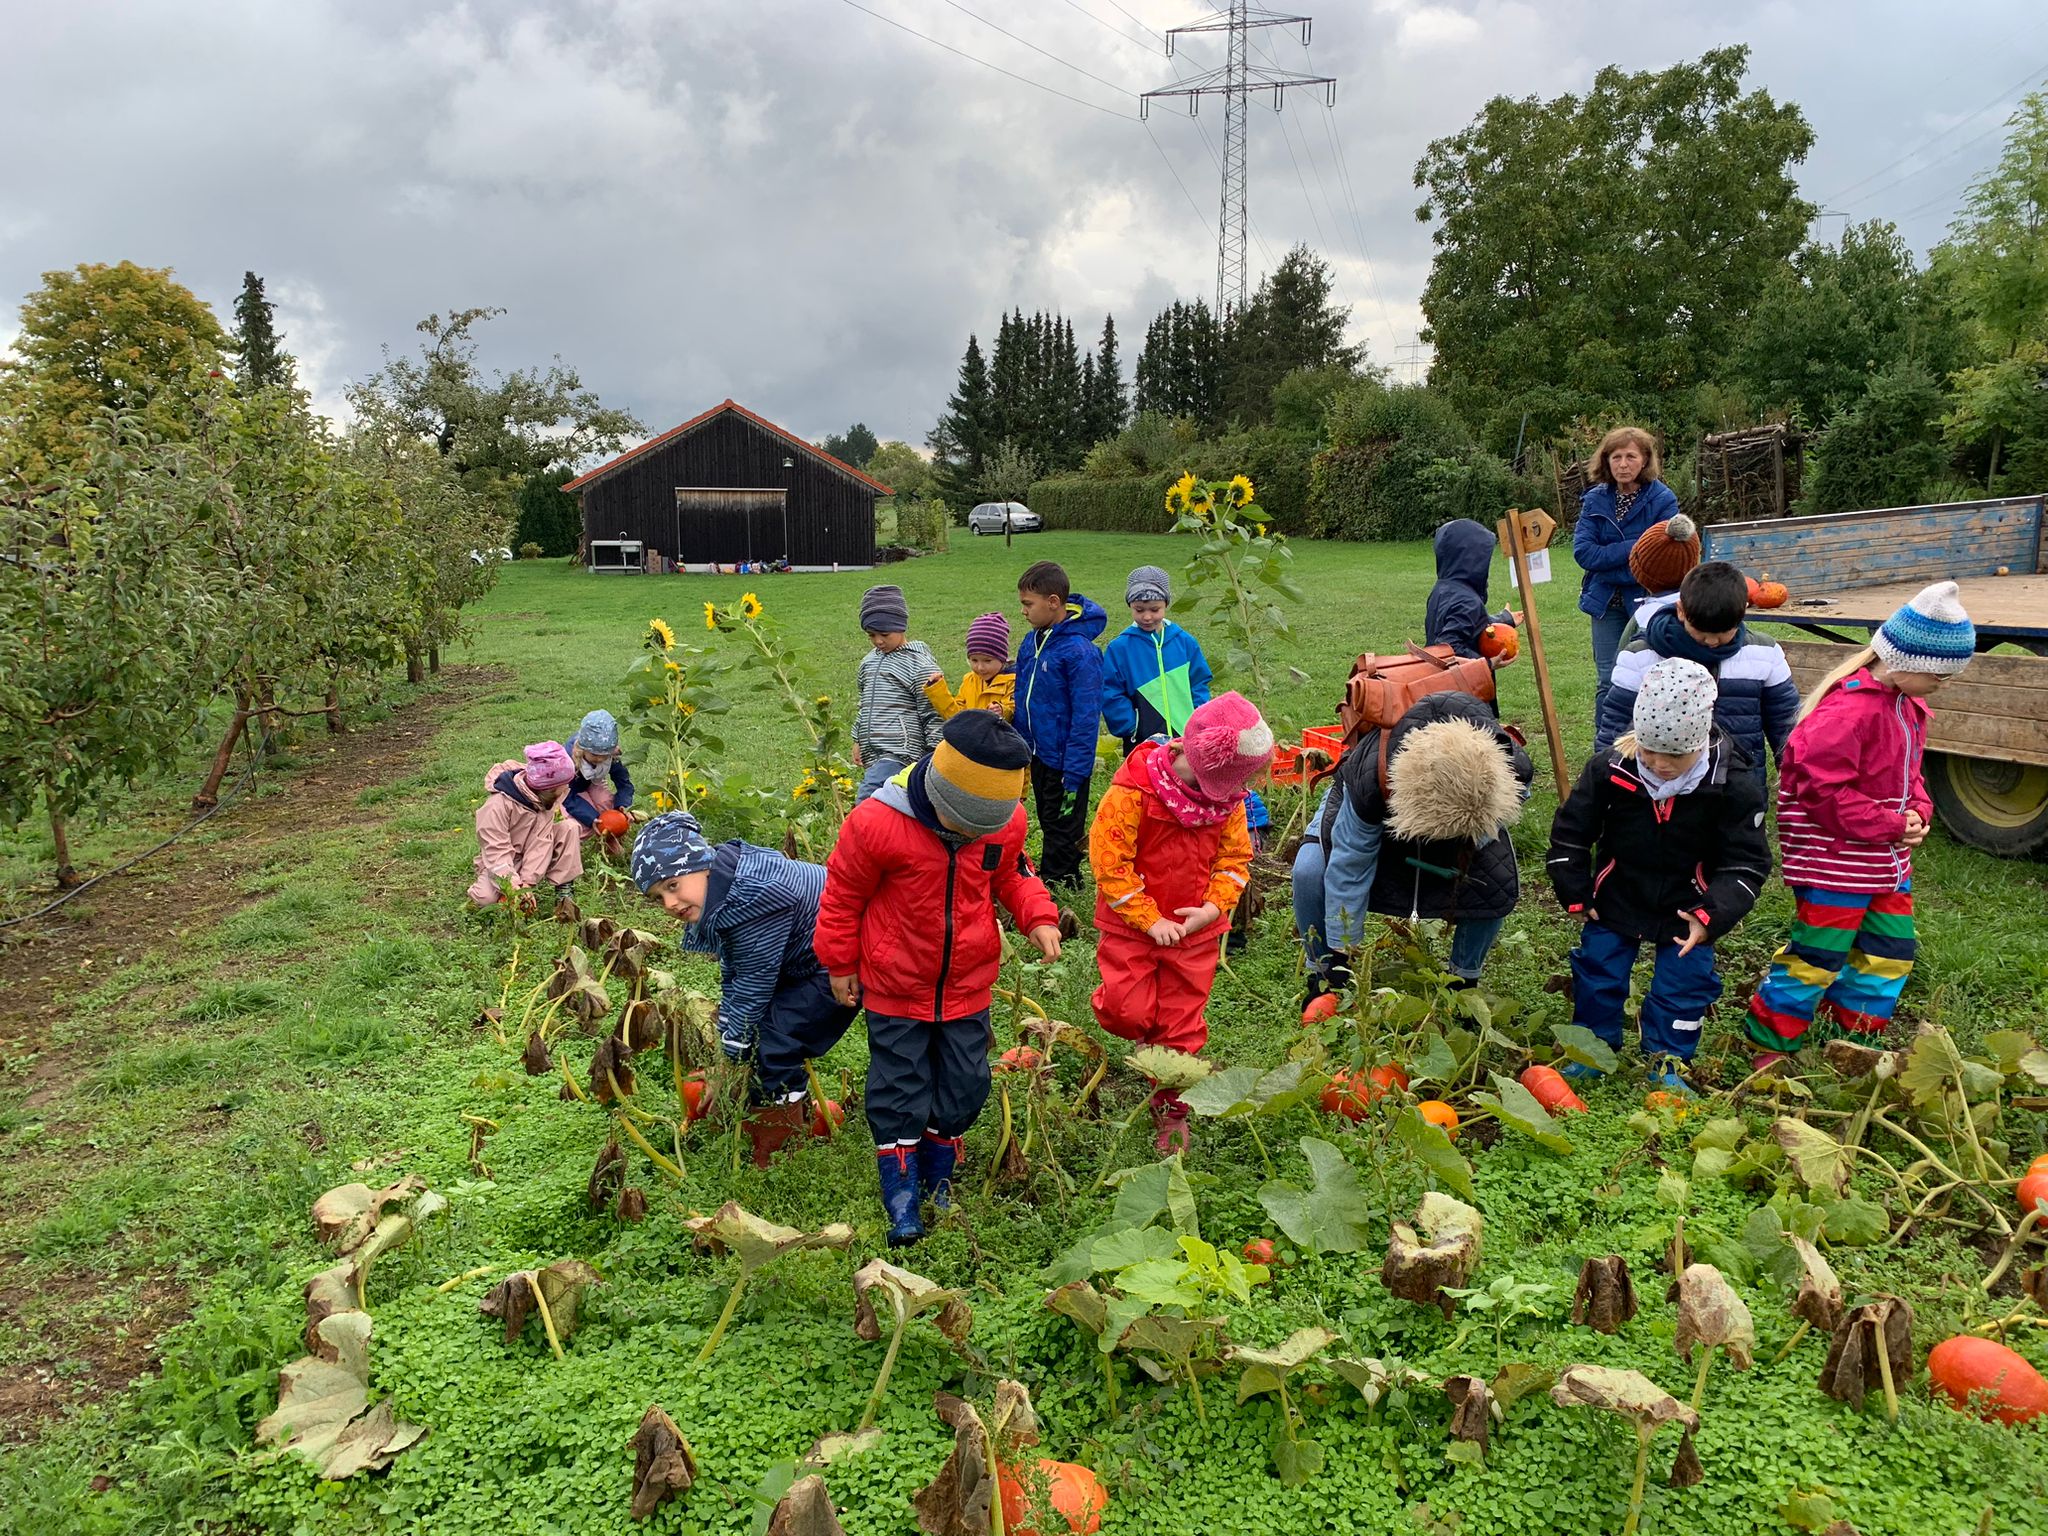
1449	780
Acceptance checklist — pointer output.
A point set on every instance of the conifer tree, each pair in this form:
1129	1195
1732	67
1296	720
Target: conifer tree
965	435
264	362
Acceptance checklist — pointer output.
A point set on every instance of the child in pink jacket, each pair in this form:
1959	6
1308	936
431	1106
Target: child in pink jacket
523	837
1852	807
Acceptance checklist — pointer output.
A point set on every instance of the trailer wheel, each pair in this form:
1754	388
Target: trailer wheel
1999	807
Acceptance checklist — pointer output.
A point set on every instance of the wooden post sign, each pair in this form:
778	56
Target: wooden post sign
1525	540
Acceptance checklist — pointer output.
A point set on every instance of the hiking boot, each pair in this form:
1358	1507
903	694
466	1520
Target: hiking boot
1169	1122
936	1158
770	1126
899	1166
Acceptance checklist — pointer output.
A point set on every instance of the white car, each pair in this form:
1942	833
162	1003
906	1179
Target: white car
989	517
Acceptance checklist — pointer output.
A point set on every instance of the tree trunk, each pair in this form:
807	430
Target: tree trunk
414	672
67	877
272	724
433	658
209	792
1997	442
334	711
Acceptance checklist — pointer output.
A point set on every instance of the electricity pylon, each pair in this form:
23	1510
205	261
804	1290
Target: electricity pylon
1235	82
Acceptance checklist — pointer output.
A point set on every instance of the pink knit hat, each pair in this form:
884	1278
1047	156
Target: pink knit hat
1226	743
548	764
989	635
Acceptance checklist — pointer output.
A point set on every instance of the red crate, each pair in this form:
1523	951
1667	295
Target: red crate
1286	767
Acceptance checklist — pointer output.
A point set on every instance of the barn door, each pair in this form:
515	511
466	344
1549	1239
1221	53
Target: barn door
729	525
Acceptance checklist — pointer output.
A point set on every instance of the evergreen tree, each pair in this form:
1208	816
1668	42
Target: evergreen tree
1290	323
264	360
965	435
1107	407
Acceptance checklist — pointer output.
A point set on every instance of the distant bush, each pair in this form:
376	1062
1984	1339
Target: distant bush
922	524
1399	465
1135	504
1884	450
530	551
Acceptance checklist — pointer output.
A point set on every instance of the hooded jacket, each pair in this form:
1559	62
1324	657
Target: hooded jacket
1149	866
1601	542
911	908
996	693
1640	863
760	909
1756	701
578	805
1424	867
1059	691
514	831
1152	683
1457	603
1851	771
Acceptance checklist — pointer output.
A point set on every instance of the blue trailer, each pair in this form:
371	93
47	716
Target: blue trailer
1847	571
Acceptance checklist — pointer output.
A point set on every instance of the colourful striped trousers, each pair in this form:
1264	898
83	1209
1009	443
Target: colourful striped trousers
1843	967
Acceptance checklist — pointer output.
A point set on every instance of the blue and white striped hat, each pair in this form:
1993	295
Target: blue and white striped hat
671	844
1929	634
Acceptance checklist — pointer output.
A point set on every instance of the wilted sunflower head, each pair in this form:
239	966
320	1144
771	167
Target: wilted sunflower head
659	636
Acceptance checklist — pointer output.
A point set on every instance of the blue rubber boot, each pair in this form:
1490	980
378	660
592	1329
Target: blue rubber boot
1665	1075
1579	1072
937	1156
899	1167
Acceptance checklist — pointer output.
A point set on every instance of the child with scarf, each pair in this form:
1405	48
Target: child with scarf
755	910
602	791
1661	842
1172	855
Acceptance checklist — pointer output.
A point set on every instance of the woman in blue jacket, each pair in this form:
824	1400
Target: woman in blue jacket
1626	497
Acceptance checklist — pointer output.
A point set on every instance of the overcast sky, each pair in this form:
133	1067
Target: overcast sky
797	204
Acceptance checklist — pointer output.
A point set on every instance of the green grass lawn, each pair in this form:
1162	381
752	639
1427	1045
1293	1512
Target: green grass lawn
164	1138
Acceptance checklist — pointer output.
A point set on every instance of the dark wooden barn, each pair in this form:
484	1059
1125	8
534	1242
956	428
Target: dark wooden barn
728	486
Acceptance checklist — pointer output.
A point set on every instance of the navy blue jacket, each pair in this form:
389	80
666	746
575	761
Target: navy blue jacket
1601	542
1457	603
1757	702
760	910
579	809
1059	692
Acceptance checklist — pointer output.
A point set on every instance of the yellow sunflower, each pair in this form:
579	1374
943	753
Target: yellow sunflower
1240	490
1180	495
750	606
711	616
659	635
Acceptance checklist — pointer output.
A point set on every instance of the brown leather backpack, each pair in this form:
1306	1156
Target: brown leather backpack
1382	689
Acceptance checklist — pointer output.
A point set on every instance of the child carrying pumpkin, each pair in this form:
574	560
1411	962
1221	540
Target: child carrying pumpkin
907	928
1172	855
1661	842
1852	807
755	910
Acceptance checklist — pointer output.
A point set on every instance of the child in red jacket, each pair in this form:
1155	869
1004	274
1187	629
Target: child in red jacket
907	927
1172	856
1852	807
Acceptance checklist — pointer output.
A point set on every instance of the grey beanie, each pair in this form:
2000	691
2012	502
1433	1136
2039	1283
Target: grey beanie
1675	707
1148	584
883	611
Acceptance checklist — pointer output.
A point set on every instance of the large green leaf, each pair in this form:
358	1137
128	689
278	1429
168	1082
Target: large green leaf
1331	1215
1516	1108
1430	1145
1581	1045
1228	1092
1294	1461
1434	1061
1121	1247
1855	1222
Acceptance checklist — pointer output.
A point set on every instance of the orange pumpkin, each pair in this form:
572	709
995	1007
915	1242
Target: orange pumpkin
1500	642
1752	584
1346	1097
2033	1189
1019	1058
1387	1077
2039	1164
1770	594
1548	1087
1322	1006
1437	1112
1073	1492
1679	1105
827	1117
697	1096
2005	1385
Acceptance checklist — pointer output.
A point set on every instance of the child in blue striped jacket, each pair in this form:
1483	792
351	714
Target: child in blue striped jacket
755	910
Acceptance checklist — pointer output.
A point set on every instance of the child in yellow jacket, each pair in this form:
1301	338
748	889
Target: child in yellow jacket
990	682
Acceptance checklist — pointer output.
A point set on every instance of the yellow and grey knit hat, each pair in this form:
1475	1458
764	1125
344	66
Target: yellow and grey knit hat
975	775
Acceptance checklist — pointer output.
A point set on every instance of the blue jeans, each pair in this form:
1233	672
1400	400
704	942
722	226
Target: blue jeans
879	771
1607	628
1682	989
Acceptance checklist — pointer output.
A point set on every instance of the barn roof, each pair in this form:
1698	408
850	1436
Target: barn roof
591	477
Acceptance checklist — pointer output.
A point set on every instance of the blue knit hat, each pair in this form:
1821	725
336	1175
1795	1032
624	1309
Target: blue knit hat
599	732
1929	634
671	844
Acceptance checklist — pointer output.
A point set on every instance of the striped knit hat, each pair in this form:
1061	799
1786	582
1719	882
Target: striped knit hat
989	635
975	775
1929	634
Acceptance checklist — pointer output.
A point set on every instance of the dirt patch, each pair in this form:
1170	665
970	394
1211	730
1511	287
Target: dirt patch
102	1338
45	963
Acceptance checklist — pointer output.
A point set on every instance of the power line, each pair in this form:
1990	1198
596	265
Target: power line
1013	37
984	63
1968	144
1184	192
2003	96
1108	26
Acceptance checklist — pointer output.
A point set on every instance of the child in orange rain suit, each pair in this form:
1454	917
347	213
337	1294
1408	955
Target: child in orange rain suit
1172	856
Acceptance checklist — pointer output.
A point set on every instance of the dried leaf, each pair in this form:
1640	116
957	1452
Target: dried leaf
323	1412
512	1300
2034	1285
805	1511
734	1229
1419	1272
1629	1393
330	1291
1373	1380
632	1205
1014	1423
1710	1313
345	1216
1854	1061
878	1279
663	1463
595	933
535	1058
607	1178
1471	1409
956	1502
1686	1471
1820	1161
608	1067
1606	1297
839	1445
1265	1370
1169	1068
640	1027
563	1283
1851	1369
1819	1301
586	1000
1515	1381
1082	1302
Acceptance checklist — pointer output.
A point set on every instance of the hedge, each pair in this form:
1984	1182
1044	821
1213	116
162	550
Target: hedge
1133	505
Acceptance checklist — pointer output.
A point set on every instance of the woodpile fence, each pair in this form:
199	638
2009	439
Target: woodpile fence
1748	475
